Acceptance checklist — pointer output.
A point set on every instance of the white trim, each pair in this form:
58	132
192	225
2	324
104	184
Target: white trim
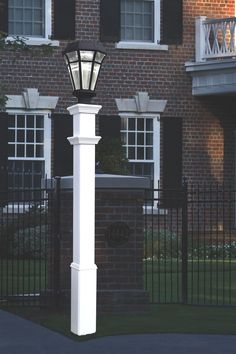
31	99
141	45
24	111
141	104
154	210
156	35
46	143
142	107
156	150
82	140
157	22
44	40
36	41
48	18
155	146
134	115
84	108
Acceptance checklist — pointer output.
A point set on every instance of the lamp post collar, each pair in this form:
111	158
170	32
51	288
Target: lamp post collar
84	45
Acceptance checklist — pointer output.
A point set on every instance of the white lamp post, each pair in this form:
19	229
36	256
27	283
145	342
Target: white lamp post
83	60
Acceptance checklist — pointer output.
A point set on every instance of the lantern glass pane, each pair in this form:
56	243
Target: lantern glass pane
75	80
99	57
96	69
86	68
72	56
86	55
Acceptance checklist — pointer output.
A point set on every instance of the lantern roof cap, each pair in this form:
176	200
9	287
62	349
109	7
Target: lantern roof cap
84	45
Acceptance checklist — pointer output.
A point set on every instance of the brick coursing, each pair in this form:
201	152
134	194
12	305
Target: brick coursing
120	268
207	121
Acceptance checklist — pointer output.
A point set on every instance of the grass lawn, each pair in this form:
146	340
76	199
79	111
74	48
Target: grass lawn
210	282
22	276
160	319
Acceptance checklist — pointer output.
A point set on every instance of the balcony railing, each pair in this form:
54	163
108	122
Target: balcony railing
215	38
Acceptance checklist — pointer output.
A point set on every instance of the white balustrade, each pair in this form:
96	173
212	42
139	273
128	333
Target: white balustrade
215	38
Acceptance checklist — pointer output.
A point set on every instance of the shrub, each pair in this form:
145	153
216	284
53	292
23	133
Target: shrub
164	244
161	244
30	243
110	156
25	235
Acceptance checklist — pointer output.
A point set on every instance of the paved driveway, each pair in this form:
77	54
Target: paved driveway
19	336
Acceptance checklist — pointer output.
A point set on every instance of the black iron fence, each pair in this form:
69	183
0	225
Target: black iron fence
189	252
29	239
190	245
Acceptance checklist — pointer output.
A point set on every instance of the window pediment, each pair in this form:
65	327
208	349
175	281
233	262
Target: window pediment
141	103
31	99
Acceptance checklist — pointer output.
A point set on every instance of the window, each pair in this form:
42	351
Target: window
26	17
135	24
140	21
140	137
29	149
137	20
29	18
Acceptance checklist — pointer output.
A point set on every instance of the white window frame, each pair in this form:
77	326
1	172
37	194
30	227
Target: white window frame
156	143
155	45
48	30
22	208
47	137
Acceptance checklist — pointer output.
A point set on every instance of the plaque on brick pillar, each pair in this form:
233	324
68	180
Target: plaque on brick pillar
117	234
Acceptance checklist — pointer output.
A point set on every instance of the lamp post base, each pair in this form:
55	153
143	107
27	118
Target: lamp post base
83	299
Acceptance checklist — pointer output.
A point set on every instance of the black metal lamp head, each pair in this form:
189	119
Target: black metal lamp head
84	60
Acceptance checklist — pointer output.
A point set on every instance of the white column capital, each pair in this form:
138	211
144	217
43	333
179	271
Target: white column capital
78	140
84	108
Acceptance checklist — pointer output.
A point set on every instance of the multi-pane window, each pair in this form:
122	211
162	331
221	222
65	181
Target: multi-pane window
137	20
137	136
26	145
26	17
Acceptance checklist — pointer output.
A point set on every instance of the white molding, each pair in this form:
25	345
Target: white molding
48	18
77	266
31	99
156	151
47	145
156	34
199	38
141	46
36	41
154	210
157	23
84	108
141	103
45	39
82	140
212	77
141	106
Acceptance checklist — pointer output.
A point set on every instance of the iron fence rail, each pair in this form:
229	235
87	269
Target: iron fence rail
27	246
190	246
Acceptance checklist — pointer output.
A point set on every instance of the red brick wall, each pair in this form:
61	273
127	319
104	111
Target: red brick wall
120	267
161	73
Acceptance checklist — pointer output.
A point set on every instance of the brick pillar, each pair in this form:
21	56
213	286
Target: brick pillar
119	242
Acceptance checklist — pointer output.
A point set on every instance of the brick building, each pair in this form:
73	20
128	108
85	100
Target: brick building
168	95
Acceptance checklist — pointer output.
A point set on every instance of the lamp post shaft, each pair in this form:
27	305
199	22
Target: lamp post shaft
83	267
